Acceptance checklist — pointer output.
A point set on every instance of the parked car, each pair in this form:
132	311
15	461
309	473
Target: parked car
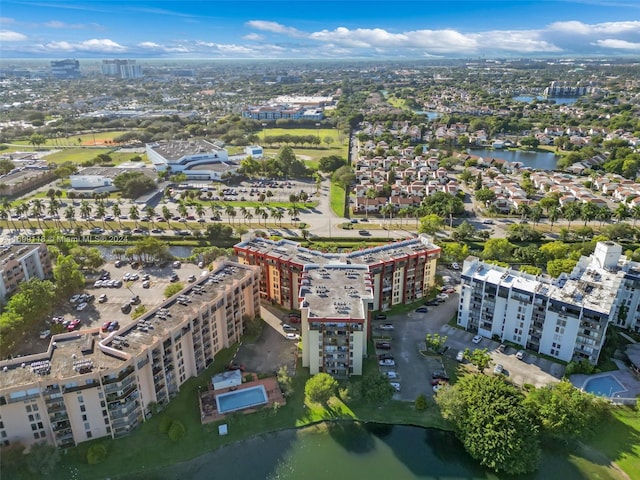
174	277
74	299
488	221
502	347
455	266
422	310
477	339
380	316
391	374
387	326
440	374
498	369
102	298
73	325
192	278
520	355
460	356
135	300
383	345
395	385
235	366
176	264
81	306
97	284
125	308
432	303
364	233
45	334
146	284
436	388
442	296
439	381
385	356
292	336
387	363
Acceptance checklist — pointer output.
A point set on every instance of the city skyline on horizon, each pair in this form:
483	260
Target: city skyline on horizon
318	29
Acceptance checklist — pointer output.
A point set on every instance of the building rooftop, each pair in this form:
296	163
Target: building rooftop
15	251
84	351
335	291
112	172
175	150
287	250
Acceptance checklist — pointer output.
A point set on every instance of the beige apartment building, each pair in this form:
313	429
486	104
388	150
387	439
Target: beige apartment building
20	262
91	384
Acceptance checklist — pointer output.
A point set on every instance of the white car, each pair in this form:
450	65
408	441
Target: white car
75	298
477	339
442	296
437	387
45	334
455	266
460	356
391	374
82	306
387	363
387	326
520	355
498	369
395	385
292	336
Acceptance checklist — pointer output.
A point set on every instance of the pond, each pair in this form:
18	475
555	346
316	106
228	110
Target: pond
536	160
179	251
351	450
557	100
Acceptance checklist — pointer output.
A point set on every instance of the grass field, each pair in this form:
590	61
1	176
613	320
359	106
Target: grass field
87	139
311	156
79	155
336	199
338	137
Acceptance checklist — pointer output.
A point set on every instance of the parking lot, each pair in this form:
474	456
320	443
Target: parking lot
96	313
413	371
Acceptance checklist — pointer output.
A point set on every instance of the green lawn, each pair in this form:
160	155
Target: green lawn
79	155
337	136
619	439
337	199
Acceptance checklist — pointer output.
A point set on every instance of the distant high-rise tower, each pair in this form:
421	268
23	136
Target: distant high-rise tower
121	68
65	69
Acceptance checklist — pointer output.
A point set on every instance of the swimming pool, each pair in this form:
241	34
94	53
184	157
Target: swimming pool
241	399
605	386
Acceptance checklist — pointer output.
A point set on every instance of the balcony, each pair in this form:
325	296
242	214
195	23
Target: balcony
123	374
113	397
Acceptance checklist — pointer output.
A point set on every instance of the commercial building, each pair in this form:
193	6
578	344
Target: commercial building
100	179
197	159
65	69
564	317
95	383
20	262
401	272
121	68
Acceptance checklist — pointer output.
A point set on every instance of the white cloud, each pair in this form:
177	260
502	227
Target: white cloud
253	37
67	26
275	27
149	45
9	36
579	28
95	45
7	20
619	44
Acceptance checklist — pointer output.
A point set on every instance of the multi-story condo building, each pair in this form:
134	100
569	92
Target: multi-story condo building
20	262
335	305
401	272
121	68
197	159
65	69
94	383
565	317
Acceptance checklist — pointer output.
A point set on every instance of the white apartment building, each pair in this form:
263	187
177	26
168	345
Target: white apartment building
565	317
20	262
121	68
91	384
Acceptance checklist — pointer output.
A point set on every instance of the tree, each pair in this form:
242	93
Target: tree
455	252
42	458
320	388
435	342
530	142
421	403
37	139
492	421
176	431
522	233
564	411
172	289
558	266
96	453
68	277
465	231
285	381
87	257
134	184
497	249
478	357
430	224
485	195
375	388
6	166
343	176
331	163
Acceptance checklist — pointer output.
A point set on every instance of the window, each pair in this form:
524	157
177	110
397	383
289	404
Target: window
89	435
80	399
83	408
31	418
87	426
84	418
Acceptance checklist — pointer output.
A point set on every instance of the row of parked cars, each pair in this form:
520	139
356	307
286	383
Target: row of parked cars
385	358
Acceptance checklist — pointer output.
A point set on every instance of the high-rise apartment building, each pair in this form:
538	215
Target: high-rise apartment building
565	317
94	383
20	262
65	69
121	68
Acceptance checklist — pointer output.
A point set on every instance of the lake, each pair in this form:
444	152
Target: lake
537	160
557	100
351	450
179	251
431	115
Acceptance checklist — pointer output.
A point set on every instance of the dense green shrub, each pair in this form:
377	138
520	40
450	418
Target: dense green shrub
176	431
96	454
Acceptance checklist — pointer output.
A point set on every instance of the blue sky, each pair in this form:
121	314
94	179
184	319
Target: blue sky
318	29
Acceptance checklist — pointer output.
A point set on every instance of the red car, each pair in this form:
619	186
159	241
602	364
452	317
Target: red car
73	325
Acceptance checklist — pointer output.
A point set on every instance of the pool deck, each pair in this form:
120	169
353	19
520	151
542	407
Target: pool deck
629	380
209	410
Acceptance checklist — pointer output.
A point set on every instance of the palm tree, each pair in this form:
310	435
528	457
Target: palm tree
36	209
85	209
182	210
536	213
243	212
115	209
553	214
101	211
249	216
200	210
570	212
635	214
3	214
231	212
70	214
54	206
257	211
265	215
166	214
22	210
588	212
621	212
404	212
604	215
277	215
134	214
387	210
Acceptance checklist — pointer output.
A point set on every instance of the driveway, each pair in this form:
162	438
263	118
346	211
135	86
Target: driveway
268	353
